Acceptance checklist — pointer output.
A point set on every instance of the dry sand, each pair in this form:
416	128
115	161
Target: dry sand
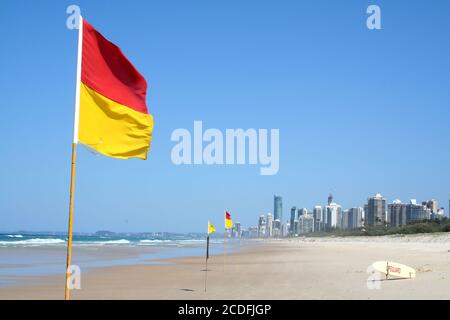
311	268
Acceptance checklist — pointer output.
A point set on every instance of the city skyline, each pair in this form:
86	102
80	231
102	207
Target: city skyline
396	205
376	212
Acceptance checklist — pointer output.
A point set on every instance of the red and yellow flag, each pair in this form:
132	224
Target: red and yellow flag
228	221
113	115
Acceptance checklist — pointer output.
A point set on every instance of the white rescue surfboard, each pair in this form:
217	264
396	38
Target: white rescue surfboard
390	268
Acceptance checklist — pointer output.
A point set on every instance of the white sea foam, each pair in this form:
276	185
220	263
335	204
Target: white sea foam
148	242
121	241
14	236
35	241
144	242
169	242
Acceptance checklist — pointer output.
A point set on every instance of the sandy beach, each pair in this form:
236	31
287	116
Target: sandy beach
304	268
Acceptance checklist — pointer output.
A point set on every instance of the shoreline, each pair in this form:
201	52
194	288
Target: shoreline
298	268
31	263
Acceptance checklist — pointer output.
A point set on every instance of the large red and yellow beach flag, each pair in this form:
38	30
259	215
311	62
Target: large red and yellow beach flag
112	116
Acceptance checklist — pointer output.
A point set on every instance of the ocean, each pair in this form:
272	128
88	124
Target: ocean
99	238
25	255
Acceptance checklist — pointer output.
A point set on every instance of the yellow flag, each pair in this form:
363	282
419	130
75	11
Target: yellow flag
211	228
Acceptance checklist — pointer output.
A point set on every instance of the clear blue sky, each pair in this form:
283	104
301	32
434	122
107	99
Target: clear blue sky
359	111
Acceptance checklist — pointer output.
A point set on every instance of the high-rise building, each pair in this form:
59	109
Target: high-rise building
334	215
344	220
317	214
301	212
253	232
262	226
439	215
365	214
324	217
330	199
237	229
269	225
397	213
278	208
433	205
355	218
306	223
417	212
276	228
296	226
284	229
376	211
292	229
448	214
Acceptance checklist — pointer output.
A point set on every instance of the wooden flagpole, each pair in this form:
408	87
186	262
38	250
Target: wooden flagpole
206	260
74	157
69	242
225	242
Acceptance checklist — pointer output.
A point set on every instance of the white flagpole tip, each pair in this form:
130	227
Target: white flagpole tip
78	81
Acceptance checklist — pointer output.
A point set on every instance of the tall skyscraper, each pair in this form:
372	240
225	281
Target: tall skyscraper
237	229
366	210
433	205
324	217
253	232
306	223
278	208
293	218
262	226
344	220
284	230
296	226
334	215
355	218
417	212
269	225
397	213
301	212
376	211
317	214
330	199
276	229
440	214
